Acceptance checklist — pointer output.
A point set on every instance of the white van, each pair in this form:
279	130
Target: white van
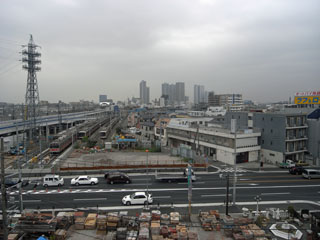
311	173
52	180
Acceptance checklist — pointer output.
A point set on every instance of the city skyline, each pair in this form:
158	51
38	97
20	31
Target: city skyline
266	51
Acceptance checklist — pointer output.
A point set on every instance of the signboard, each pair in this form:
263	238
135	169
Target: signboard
310	97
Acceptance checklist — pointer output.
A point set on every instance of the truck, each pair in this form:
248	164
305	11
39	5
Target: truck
287	164
175	177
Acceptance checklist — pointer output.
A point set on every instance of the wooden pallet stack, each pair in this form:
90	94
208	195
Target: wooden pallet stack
112	221
209	221
132	235
101	224
257	231
60	234
165	219
40	223
121	233
174	218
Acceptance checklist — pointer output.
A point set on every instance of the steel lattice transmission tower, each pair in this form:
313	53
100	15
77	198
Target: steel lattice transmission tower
32	62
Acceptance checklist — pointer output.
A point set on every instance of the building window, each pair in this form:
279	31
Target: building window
239	117
271	143
271	131
271	154
271	119
263	119
262	129
262	141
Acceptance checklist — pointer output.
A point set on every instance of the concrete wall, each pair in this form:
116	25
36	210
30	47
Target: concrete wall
253	156
224	156
269	156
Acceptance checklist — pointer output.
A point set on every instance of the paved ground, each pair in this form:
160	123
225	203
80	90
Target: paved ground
120	158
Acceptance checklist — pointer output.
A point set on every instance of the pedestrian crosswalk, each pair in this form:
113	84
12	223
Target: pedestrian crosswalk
231	169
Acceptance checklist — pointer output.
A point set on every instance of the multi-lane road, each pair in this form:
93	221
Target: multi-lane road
208	189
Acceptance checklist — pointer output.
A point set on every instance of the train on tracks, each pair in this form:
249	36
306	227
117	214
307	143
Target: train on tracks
66	138
104	132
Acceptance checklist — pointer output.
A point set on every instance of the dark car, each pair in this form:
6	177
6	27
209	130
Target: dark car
118	178
106	174
296	170
9	182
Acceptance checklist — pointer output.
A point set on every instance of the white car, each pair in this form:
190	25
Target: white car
137	198
84	180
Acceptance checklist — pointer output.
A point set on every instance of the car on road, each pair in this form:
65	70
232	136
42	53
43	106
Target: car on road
118	178
137	198
311	173
287	164
106	174
84	180
11	182
296	170
52	180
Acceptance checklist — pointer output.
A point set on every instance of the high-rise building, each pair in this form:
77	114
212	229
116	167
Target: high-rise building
180	92
102	98
144	92
233	102
199	94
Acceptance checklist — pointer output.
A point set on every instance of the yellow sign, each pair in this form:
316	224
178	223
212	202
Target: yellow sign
307	100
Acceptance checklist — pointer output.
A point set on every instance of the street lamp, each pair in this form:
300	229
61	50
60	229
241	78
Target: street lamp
258	199
147	151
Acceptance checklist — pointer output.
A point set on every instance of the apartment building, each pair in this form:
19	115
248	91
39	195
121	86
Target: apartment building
284	134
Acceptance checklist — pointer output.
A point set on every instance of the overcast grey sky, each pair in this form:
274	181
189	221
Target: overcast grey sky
265	49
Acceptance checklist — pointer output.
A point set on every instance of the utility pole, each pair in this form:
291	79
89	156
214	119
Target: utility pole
189	189
227	196
20	185
234	130
4	194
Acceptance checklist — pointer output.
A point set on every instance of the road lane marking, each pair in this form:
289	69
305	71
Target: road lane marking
285	193
89	199
194	183
30	201
216	195
141	179
161	197
140	184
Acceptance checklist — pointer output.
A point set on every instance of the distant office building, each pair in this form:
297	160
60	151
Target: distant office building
165	89
213	99
232	102
144	92
198	94
180	92
102	98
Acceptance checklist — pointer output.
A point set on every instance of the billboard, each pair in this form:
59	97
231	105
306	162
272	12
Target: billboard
309	97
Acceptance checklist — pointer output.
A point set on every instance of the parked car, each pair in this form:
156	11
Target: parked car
311	173
52	180
296	170
137	198
84	180
10	182
118	178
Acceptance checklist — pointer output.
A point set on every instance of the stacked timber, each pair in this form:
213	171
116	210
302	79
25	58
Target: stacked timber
209	220
112	221
165	219
91	221
79	223
192	235
155	227
174	218
155	215
143	234
145	217
256	230
101	224
130	222
65	220
121	233
13	236
132	235
41	223
60	234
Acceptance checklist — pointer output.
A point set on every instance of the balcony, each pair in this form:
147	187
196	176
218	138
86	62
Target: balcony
296	126
294	138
